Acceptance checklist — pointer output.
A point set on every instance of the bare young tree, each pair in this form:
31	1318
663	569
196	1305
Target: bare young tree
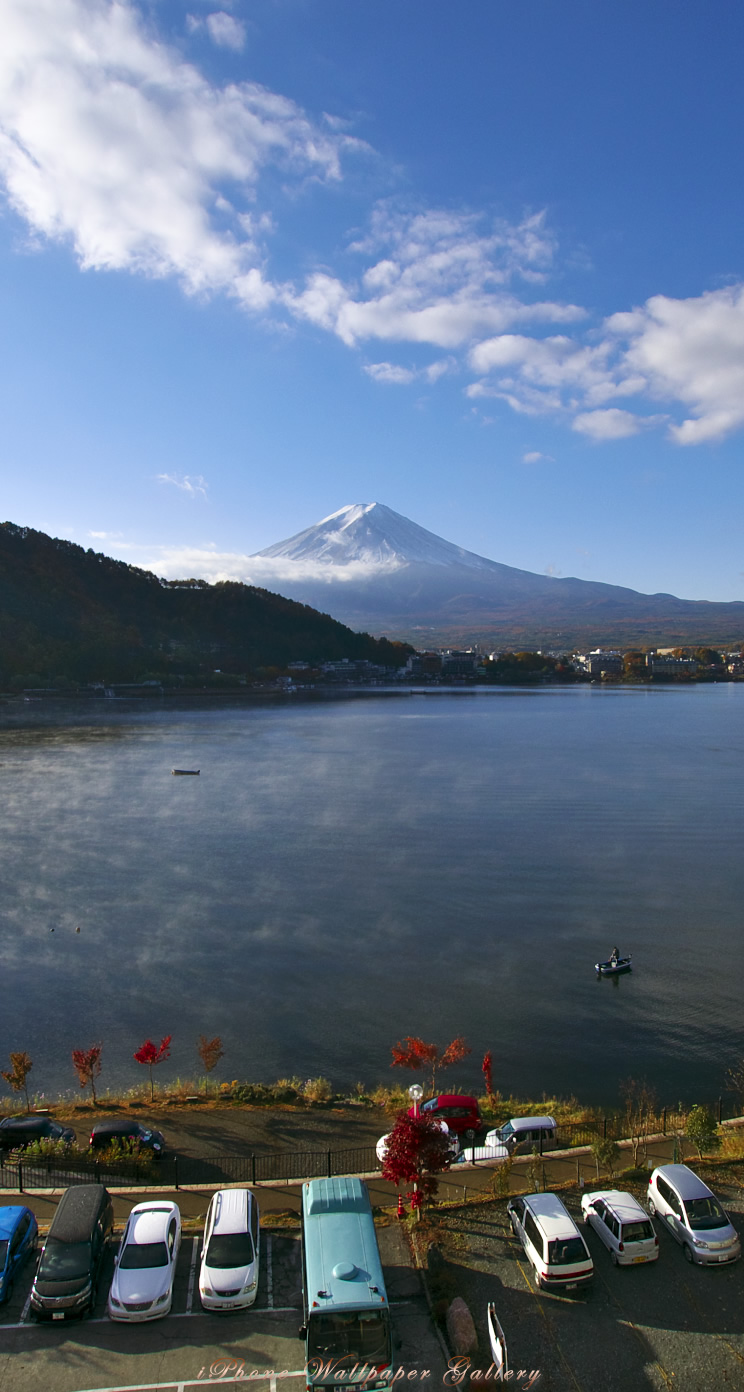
639	1114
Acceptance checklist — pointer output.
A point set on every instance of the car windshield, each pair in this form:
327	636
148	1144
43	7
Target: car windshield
637	1232
230	1249
357	1335
139	1256
705	1213
3	1254
64	1261
566	1251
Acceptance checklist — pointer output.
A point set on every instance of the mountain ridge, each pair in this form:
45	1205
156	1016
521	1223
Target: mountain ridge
377	569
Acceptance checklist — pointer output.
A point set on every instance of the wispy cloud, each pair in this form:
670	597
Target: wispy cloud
193	484
225	31
105	536
536	457
174	562
111	142
114	145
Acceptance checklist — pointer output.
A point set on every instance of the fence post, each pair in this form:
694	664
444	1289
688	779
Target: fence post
330	1165
720	1110
175	1168
253	1169
604	1132
663	1121
20	1176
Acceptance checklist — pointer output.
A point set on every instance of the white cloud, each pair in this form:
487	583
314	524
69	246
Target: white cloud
110	142
392	373
611	424
105	536
193	484
442	280
225	31
207	563
536	457
691	351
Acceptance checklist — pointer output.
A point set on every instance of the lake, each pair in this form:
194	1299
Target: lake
345	872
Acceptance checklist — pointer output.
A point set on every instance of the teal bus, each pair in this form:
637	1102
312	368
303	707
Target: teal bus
346	1322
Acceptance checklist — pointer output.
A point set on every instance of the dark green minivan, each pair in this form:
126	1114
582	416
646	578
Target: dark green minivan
70	1262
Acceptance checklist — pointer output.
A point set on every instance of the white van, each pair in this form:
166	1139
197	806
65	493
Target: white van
228	1276
524	1134
692	1213
552	1242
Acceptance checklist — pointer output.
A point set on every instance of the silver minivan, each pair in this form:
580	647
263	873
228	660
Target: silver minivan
523	1134
693	1215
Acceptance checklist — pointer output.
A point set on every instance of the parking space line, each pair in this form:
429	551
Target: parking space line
550	1331
192	1273
25	1310
665	1376
182	1314
269	1273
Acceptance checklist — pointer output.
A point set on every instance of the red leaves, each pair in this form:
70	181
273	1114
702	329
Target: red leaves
150	1054
418	1149
87	1065
486	1068
413	1052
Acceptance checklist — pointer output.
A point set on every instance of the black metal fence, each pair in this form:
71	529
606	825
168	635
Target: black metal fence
180	1171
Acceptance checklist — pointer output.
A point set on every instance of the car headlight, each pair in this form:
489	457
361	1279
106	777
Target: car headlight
206	1290
699	1242
116	1303
250	1286
162	1298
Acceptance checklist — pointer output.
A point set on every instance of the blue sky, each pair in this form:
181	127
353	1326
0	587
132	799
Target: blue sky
484	264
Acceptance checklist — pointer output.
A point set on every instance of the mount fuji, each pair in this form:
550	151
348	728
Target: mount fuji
372	568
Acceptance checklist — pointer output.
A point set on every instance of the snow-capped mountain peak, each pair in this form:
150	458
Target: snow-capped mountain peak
374	535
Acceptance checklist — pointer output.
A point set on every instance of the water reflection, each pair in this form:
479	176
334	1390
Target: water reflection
342	874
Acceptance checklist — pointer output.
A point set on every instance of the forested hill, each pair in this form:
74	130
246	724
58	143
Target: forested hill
67	614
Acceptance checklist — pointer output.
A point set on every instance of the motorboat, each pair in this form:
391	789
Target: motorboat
185	773
615	966
498	1344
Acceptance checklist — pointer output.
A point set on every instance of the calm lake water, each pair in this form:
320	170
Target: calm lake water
346	872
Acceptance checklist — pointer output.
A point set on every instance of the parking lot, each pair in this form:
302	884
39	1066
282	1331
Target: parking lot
191	1347
661	1325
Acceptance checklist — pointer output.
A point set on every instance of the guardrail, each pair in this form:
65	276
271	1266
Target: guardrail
178	1171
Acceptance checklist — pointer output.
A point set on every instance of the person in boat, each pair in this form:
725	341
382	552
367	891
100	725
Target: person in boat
615	956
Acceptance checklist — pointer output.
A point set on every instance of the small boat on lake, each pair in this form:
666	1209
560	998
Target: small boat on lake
614	967
185	773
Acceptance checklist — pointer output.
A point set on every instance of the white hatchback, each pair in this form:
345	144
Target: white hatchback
142	1288
453	1140
622	1225
228	1276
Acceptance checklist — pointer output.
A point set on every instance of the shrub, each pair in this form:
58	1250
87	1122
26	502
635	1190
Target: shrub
317	1090
702	1130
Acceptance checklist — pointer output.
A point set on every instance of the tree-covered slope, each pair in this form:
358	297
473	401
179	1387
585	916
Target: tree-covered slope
70	613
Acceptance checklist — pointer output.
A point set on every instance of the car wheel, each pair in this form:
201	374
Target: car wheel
651	1208
615	1259
688	1253
469	1136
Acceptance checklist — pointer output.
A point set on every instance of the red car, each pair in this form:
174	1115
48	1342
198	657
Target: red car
460	1113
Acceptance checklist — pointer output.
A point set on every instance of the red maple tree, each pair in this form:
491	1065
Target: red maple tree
412	1052
87	1065
486	1069
150	1054
417	1151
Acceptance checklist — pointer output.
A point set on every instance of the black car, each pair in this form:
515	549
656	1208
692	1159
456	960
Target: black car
126	1129
72	1256
20	1131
